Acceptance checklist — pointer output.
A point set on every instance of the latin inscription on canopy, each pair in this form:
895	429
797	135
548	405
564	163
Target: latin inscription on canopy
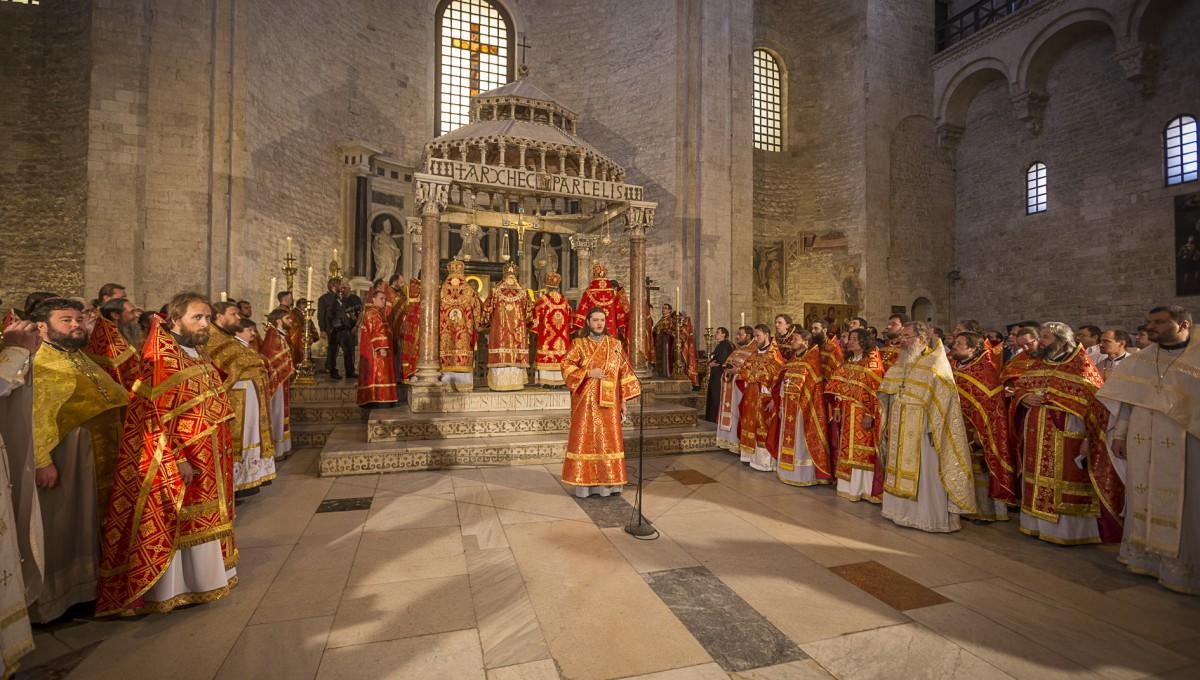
517	179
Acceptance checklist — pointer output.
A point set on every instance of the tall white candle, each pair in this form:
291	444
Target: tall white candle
743	323
271	301
224	298
335	254
308	294
708	313
677	298
289	245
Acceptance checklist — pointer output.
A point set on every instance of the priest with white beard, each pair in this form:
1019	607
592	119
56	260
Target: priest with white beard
923	442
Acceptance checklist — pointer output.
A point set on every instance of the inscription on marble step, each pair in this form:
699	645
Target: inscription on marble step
410	428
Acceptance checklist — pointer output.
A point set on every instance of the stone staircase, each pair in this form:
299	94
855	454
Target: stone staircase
479	428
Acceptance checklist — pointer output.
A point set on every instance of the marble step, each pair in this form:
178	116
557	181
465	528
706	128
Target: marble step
310	435
347	452
345	391
694	400
401	424
326	412
481	399
664	386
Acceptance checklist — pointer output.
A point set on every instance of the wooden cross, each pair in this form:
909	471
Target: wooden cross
475	46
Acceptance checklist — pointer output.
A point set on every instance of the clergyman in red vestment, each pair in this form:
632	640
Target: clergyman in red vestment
376	369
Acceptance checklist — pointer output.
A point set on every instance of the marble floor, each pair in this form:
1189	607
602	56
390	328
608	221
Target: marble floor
499	574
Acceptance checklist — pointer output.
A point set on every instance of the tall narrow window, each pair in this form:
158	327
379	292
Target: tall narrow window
1035	189
474	55
767	102
1179	143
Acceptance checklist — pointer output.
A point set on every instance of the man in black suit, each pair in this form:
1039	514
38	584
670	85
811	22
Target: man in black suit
337	328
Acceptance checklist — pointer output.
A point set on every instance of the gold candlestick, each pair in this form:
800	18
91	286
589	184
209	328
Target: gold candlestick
679	366
289	271
305	369
335	270
708	349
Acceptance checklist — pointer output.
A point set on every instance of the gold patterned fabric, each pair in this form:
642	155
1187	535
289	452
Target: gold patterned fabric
551	321
758	378
112	352
238	362
595	447
734	364
916	399
71	391
506	314
853	386
801	401
459	323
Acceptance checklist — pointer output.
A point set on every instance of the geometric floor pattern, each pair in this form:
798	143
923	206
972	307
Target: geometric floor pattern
499	574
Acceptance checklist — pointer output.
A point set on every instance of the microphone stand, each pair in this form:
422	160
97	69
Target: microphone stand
638	525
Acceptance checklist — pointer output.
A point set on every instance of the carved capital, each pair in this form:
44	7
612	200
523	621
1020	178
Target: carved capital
639	217
431	193
1140	64
949	136
583	244
1030	106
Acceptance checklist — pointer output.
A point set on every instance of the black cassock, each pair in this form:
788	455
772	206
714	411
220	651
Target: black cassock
712	404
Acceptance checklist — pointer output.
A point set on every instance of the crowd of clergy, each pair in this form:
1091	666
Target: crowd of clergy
127	439
1089	436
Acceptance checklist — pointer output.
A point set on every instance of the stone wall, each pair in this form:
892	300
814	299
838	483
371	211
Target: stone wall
44	61
1103	251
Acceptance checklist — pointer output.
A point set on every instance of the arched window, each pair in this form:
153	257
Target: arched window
1179	145
767	102
1035	189
474	55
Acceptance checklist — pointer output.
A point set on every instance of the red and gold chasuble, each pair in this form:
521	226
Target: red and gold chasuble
1053	482
459	325
280	370
396	310
236	362
801	390
376	367
412	329
1015	367
506	314
648	322
113	353
595	447
853	386
981	396
889	354
177	411
295	334
734	363
758	379
689	351
552	322
600	294
626	318
831	358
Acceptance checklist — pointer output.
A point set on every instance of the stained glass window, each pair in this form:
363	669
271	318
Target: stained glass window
474	55
767	102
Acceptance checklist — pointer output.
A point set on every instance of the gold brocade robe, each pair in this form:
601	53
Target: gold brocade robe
506	314
853	386
757	379
295	334
551	321
112	352
376	365
981	396
280	369
458	326
237	363
1052	482
733	365
70	391
595	447
600	294
919	400
412	331
396	312
889	354
177	411
800	401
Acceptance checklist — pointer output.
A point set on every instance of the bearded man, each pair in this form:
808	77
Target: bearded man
981	397
800	448
113	342
168	541
729	413
245	382
1070	493
76	433
926	457
890	351
278	353
852	390
758	379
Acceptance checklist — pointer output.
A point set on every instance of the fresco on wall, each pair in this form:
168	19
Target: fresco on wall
835	316
1187	244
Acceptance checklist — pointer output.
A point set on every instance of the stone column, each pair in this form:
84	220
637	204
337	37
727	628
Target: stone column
583	247
639	218
431	196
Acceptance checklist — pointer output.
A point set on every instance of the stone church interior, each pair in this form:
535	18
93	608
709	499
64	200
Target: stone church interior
654	339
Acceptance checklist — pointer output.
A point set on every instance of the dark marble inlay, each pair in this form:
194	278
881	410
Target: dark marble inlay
690	477
730	630
59	667
893	589
344	504
607	511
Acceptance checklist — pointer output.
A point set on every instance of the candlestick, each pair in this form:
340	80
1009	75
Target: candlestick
224	298
708	313
308	293
289	241
676	298
271	301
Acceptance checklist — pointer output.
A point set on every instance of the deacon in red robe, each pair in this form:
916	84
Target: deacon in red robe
551	321
981	396
600	293
376	370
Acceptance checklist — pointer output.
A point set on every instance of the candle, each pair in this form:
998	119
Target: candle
677	298
308	294
708	313
335	254
743	323
224	298
271	302
289	245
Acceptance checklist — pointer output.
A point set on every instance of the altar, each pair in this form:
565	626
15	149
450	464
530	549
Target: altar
516	185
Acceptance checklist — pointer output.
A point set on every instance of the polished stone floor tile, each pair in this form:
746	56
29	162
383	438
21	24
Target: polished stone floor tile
647	555
908	651
731	631
895	590
452	656
344	504
508	628
607	511
690	477
302	595
278	651
408	554
478	519
54	663
534	670
389	611
391	513
796	670
708	671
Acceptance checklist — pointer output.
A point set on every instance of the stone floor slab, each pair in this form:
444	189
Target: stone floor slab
453	656
390	611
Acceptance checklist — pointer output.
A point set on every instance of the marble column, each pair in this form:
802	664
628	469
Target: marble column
583	247
639	218
432	194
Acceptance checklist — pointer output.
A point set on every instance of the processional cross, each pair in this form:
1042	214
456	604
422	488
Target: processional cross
476	47
520	225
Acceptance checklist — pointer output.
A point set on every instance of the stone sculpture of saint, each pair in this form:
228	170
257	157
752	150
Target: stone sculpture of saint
386	252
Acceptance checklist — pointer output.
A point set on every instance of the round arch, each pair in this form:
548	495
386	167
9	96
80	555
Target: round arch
965	84
1055	39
